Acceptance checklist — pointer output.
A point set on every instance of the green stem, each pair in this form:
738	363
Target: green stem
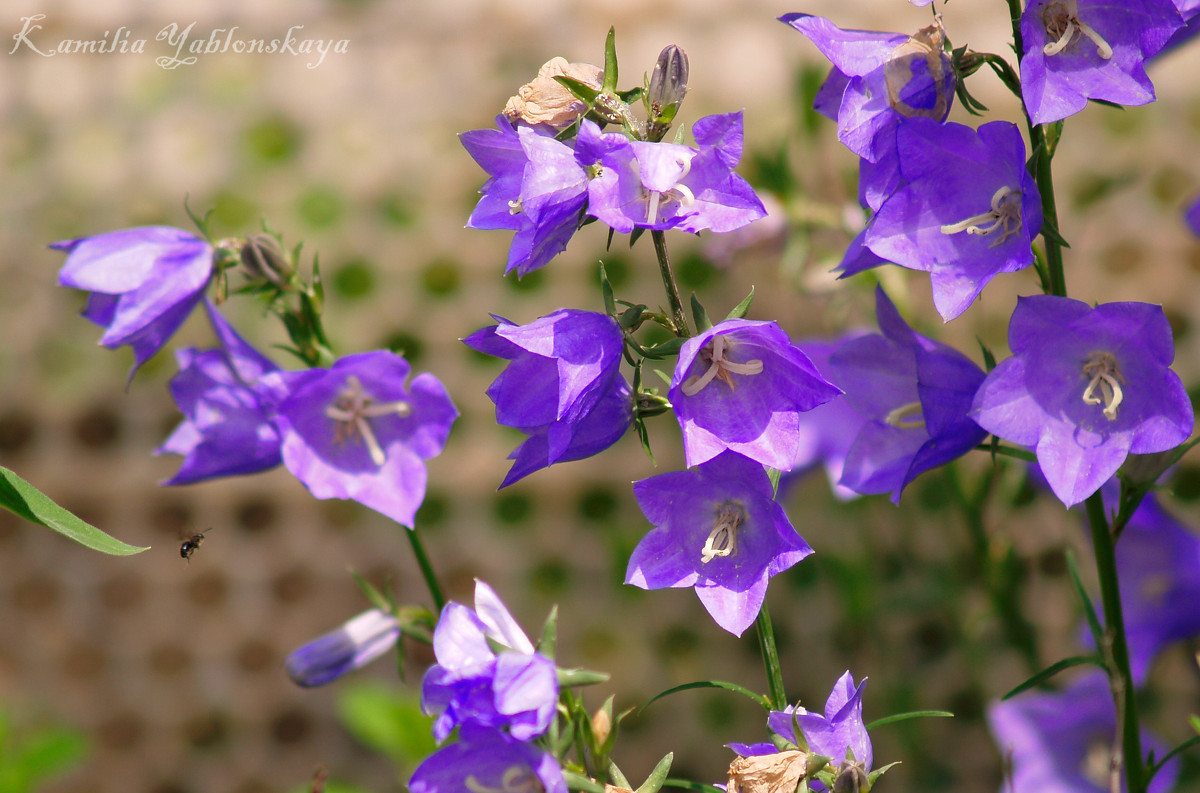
770	654
668	278
1042	174
431	581
1117	654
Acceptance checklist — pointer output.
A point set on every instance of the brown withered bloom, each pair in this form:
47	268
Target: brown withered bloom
768	773
546	101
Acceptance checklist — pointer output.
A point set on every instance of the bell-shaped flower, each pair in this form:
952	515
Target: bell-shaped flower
487	672
838	734
352	646
1084	388
877	80
668	185
915	393
358	431
485	760
563	386
227	428
742	385
965	208
1062	742
717	528
1076	50
144	282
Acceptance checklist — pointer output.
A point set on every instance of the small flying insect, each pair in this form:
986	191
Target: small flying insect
189	545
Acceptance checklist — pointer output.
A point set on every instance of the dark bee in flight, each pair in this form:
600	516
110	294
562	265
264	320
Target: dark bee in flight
189	546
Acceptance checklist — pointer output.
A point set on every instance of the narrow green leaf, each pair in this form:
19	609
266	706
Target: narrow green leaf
610	61
774	474
740	310
388	720
878	772
580	782
549	641
654	782
687	784
699	315
580	677
989	359
610	303
1195	722
580	90
734	687
1054	669
48	753
1156	767
667	348
618	778
25	500
915	714
1089	610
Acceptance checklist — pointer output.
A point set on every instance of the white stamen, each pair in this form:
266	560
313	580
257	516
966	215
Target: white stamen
722	540
351	410
906	417
680	193
1005	215
1102	47
719	367
1066	15
1055	47
1106	377
652	207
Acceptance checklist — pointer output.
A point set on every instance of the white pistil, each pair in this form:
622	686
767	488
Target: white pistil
906	417
681	193
516	779
722	540
1005	215
719	367
1066	16
351	410
1106	378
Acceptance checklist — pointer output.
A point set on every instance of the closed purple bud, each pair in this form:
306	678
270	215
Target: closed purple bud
264	260
355	644
668	85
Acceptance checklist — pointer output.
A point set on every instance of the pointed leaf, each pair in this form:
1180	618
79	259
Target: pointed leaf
610	303
580	677
610	61
734	687
1089	611
699	315
26	501
1054	669
580	782
619	779
580	90
914	714
739	311
549	641
659	775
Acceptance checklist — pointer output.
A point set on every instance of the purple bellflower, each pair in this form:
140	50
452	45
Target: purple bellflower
563	386
877	80
717	528
227	428
1062	742
352	646
915	393
144	282
474	684
357	431
1085	387
966	208
488	761
1076	50
742	385
668	185
836	734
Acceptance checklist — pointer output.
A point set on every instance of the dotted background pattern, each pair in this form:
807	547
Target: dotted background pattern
175	670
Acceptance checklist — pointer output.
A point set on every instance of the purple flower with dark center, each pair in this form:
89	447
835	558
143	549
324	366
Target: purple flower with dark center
488	761
965	209
915	393
1158	564
837	734
487	672
1084	388
352	646
1062	742
537	189
1076	50
742	385
144	282
669	185
717	528
357	431
563	386
877	80
227	428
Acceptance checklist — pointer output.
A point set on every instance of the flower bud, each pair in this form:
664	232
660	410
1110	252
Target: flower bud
668	81
355	644
601	725
264	260
852	778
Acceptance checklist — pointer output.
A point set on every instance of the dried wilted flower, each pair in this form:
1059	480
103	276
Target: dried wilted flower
770	773
546	101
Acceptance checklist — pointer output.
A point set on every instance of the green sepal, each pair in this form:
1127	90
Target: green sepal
1004	70
636	235
630	96
878	772
648	404
1089	610
318	291
1050	232
580	90
774	474
666	349
548	642
609	83
1054	669
631	318
989	359
699	315
416	622
639	423
741	309
734	687
201	223
654	782
913	714
568	678
618	777
819	764
580	782
26	501
376	598
667	115
1155	767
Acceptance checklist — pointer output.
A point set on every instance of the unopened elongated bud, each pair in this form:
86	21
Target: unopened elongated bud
264	260
665	90
852	778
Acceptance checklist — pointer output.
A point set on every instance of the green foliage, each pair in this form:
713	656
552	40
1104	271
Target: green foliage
29	759
388	720
26	501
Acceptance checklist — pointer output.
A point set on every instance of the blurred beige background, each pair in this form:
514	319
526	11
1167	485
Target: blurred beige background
175	670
